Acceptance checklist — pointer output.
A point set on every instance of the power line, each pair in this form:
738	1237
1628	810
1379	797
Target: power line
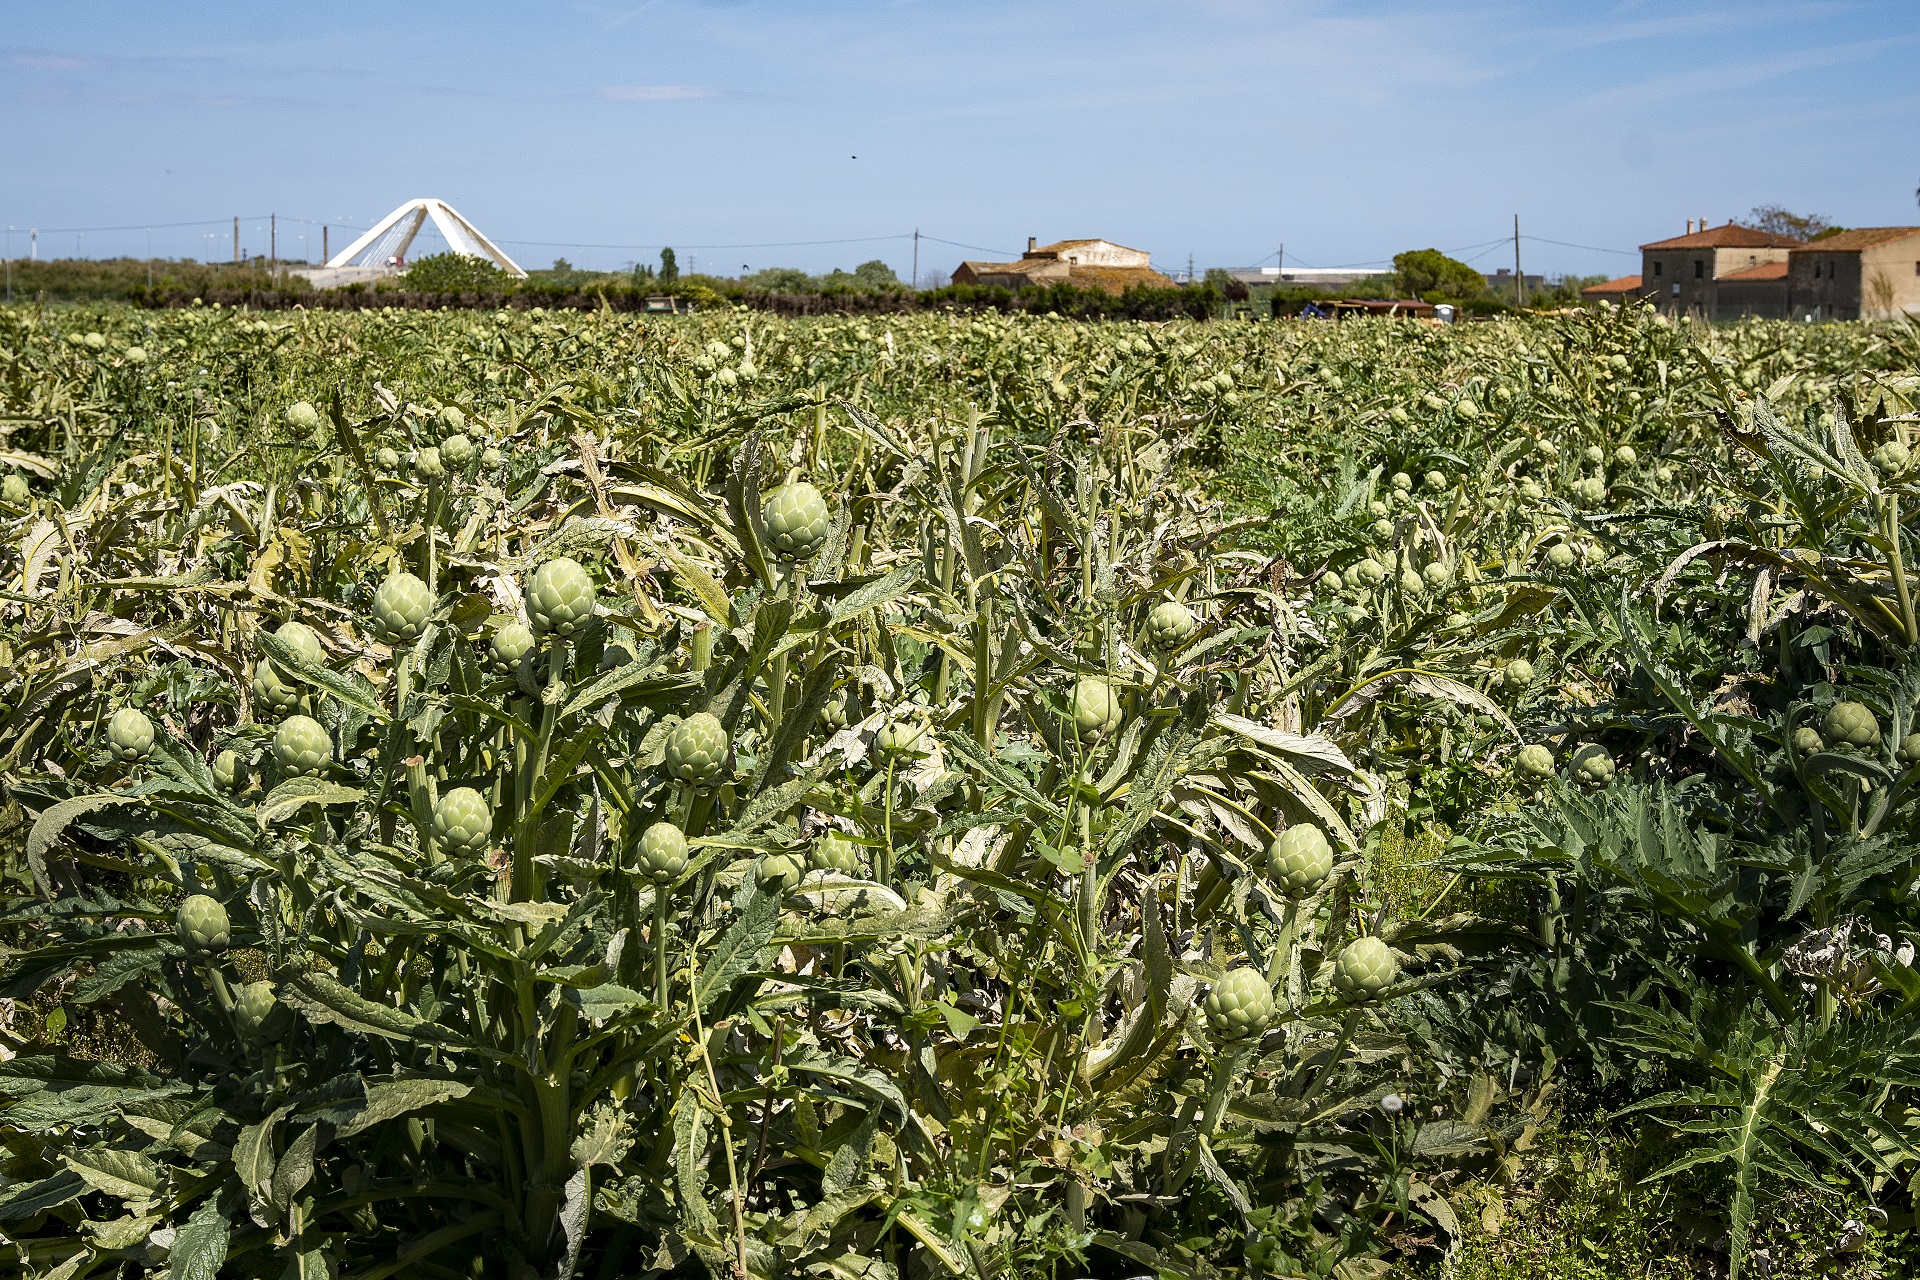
1567	244
769	244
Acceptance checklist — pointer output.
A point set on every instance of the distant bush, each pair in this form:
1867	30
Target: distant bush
108	279
455	273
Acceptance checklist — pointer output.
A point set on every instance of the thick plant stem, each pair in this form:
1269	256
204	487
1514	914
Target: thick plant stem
1891	525
660	945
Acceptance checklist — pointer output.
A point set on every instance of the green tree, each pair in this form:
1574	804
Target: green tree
454	273
1782	221
669	266
877	275
1431	274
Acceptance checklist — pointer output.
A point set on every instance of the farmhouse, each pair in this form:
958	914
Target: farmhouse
1683	275
1615	291
1871	273
1085	264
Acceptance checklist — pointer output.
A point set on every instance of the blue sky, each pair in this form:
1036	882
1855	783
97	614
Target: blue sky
1215	128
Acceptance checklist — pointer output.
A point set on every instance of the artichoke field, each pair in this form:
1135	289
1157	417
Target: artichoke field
577	796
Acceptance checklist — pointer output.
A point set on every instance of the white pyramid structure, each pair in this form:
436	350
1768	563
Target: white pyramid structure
383	250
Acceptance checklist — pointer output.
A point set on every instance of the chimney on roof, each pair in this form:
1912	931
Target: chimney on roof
1689	226
1033	242
1703	224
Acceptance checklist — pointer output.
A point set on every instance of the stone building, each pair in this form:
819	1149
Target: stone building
1084	264
1872	273
1682	276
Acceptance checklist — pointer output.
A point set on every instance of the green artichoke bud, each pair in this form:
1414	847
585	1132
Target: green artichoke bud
1365	968
1435	481
838	713
129	735
1909	750
1169	624
462	822
456	451
1412	583
1591	492
302	746
796	519
1530	490
662	853
1626	456
303	417
15	492
201	924
273	691
1239	1005
696	749
452	421
1663	474
1370	573
1806	741
1561	555
559	596
1594	455
1402	482
1467	409
779	872
511	645
491	458
1850	724
901	738
427	465
834	852
1300	861
1438	575
258	1014
226	770
387	460
1534	761
1096	708
1890	459
401	608
1517	675
301	638
1593	766
1378	509
1381	530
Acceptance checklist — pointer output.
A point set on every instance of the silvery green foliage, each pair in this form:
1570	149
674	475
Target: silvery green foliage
456	1014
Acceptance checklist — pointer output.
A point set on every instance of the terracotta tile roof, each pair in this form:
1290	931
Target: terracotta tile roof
1855	241
1730	236
1765	271
1624	284
1117	279
1058	245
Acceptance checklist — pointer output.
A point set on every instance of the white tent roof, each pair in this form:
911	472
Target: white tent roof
393	235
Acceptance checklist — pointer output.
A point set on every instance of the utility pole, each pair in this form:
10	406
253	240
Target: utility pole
35	232
273	237
1189	268
915	282
236	241
1280	264
1519	281
325	250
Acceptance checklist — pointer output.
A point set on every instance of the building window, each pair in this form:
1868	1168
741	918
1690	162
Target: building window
1699	268
1916	268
